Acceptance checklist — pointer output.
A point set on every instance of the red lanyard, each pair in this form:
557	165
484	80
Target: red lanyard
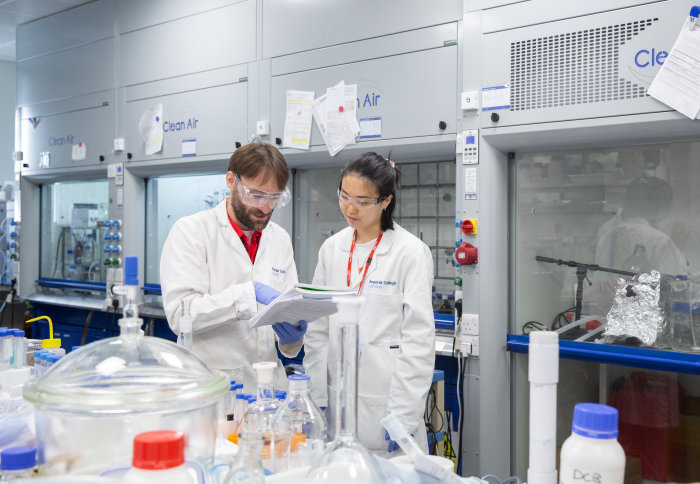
369	259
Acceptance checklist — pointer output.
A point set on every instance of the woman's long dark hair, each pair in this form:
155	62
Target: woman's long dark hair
380	172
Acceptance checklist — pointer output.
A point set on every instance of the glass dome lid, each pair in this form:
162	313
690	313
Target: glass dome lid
127	374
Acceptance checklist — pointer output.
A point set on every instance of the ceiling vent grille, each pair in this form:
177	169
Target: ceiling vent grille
572	68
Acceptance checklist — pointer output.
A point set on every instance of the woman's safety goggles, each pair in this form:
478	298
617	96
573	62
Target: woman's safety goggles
259	198
359	203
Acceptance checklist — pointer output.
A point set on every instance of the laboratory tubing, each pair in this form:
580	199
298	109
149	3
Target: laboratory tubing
19	349
543	374
247	465
592	448
159	458
17	463
299	427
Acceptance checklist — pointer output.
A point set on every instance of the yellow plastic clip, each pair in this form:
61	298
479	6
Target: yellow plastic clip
51	342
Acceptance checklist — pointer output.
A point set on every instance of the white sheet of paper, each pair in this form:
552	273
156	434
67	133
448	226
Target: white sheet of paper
189	147
341	115
78	152
677	83
295	304
470	183
151	129
44	159
297	122
318	109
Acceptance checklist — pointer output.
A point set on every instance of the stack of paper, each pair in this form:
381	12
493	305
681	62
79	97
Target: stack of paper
677	83
304	301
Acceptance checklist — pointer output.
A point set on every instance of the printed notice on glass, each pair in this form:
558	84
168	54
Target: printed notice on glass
151	129
495	97
677	83
78	152
470	183
297	123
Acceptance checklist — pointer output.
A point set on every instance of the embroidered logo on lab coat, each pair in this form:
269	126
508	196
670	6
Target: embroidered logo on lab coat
378	283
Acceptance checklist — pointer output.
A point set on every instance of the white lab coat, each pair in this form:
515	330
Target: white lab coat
396	334
204	260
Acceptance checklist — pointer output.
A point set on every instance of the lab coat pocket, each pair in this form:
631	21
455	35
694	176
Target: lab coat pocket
376	366
369	428
383	314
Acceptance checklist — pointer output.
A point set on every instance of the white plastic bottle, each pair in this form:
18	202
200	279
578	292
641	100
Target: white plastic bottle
592	453
159	458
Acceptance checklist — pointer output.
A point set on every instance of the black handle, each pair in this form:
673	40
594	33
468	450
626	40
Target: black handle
238	144
278	141
495	117
442	125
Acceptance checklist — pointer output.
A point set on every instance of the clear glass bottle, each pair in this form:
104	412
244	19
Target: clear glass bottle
346	460
299	427
247	465
637	262
685	316
260	412
17	463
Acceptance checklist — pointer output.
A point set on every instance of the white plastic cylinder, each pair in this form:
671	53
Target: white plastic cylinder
543	374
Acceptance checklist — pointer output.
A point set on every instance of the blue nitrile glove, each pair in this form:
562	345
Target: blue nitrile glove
265	294
392	444
289	333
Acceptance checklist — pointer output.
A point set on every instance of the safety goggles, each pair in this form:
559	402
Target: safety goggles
360	203
259	198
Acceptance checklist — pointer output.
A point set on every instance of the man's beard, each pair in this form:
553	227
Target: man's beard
243	217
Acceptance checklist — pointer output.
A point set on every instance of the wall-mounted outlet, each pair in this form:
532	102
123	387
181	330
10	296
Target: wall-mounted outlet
470	324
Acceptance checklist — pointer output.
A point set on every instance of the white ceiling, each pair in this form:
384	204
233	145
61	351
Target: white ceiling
18	12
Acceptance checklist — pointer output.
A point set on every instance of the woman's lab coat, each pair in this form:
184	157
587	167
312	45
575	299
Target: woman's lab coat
396	334
204	260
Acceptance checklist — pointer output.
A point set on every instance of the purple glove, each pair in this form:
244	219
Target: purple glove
289	333
265	294
392	444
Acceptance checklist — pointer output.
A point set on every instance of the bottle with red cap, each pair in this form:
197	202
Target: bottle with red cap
159	458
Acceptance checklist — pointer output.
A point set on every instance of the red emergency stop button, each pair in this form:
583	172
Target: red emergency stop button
467	226
466	254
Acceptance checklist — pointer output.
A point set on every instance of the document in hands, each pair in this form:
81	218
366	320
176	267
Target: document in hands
303	301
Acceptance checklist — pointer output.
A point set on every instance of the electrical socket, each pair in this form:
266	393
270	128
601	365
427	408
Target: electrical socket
473	341
470	324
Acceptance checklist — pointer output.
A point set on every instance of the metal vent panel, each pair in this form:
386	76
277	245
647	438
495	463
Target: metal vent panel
573	68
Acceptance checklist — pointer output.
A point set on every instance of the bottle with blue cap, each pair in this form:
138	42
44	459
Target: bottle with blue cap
17	463
592	452
299	427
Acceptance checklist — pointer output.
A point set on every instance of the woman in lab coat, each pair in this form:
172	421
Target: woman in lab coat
393	270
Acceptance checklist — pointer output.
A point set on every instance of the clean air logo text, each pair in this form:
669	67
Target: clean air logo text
653	58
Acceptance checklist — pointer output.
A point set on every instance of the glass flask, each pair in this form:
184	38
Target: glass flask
258	417
345	459
247	465
299	427
93	402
